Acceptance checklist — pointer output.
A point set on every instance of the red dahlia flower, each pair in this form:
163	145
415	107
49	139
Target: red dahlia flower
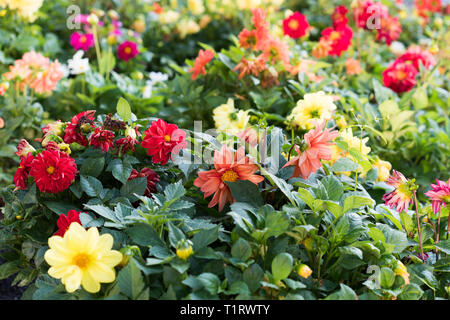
162	140
390	29
416	55
367	13
82	41
103	139
152	179
339	16
73	131
425	6
21	176
295	26
204	57
439	194
339	39
53	171
400	76
127	50
64	222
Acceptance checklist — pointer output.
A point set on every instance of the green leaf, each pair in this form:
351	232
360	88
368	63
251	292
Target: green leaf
105	212
411	291
354	202
121	170
444	246
144	235
395	240
344	164
334	187
91	186
241	250
60	207
253	276
246	191
282	266
8	269
407	221
130	280
306	196
388	109
134	186
205	237
174	191
175	234
124	109
386	278
210	282
92	166
345	293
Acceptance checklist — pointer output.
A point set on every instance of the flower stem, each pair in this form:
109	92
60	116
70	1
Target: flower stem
418	226
437	232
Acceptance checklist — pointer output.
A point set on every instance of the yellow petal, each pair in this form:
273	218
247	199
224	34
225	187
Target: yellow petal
104	243
75	238
54	258
101	272
91	240
111	258
90	284
73	281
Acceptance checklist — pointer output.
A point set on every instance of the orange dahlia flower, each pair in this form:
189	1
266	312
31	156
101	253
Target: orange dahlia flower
227	167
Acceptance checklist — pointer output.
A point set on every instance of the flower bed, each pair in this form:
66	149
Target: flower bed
206	150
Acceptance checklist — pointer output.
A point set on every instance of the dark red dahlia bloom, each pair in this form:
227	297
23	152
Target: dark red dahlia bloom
339	17
390	29
162	140
152	179
339	39
53	171
416	55
74	129
103	139
64	222
296	25
400	76
127	50
21	176
366	14
125	144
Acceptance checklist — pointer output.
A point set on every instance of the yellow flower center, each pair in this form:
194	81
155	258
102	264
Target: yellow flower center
167	138
293	24
83	39
50	170
81	260
127	50
401	75
230	176
334	35
315	113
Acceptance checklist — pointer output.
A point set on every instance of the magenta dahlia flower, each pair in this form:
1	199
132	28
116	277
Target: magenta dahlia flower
439	194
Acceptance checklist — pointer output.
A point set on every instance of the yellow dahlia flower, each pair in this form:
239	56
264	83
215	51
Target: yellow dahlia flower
228	120
26	8
82	257
384	168
313	106
168	17
186	27
248	4
304	271
195	6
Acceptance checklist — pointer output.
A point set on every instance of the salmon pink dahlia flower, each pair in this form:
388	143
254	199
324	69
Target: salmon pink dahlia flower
162	140
64	222
53	171
295	26
227	168
400	76
315	148
204	57
402	195
439	194
80	41
127	50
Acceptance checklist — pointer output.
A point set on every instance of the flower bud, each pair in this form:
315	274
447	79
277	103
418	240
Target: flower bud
304	271
113	15
308	243
184	249
139	26
111	40
92	19
24	148
18	217
401	271
130	132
